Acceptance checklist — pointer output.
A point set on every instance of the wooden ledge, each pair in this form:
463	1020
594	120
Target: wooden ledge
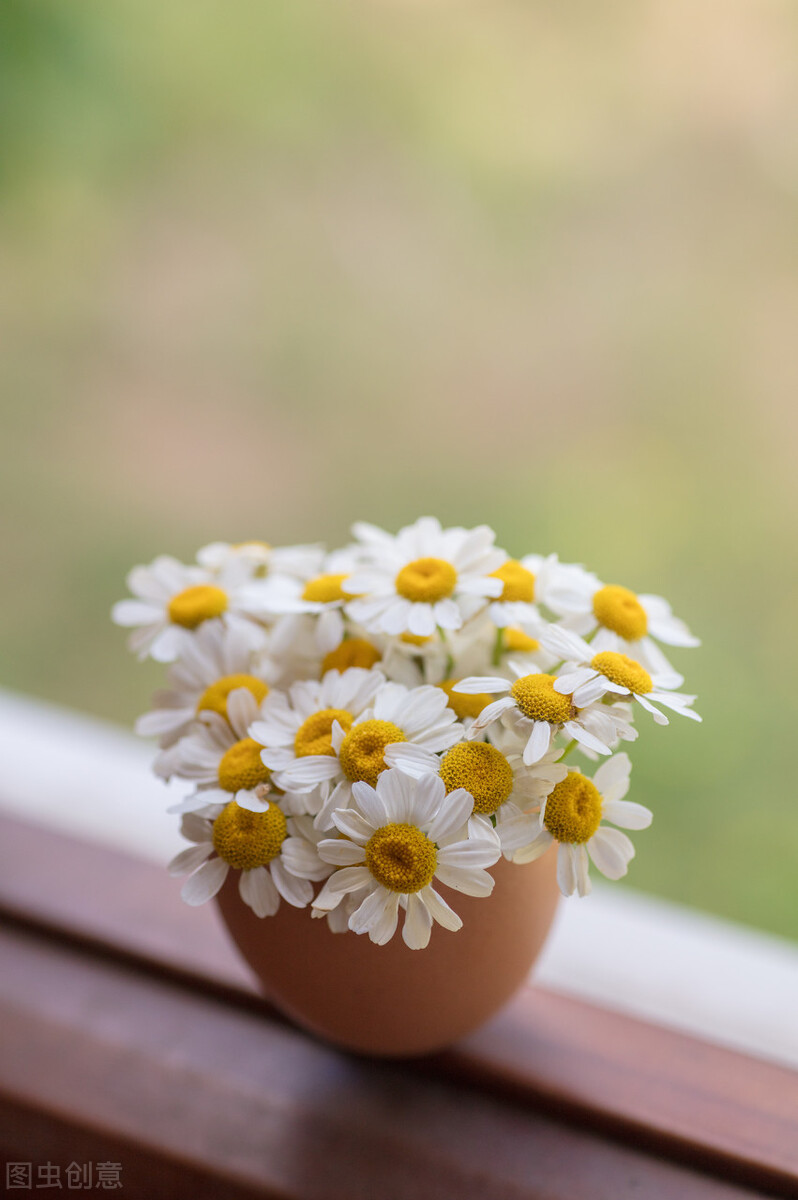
116	1001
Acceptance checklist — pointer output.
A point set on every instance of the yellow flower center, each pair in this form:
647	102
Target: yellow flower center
415	639
401	858
618	609
426	580
194	605
482	770
214	698
518	642
537	699
362	749
314	736
621	669
241	767
573	809
324	589
519	584
246	839
352	652
460	703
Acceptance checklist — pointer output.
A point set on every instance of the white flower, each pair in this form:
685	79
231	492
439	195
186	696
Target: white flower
572	816
398	838
268	848
225	762
322	596
261	559
534	711
401	725
589	675
501	786
423	579
173	600
296	730
622	621
525	586
213	662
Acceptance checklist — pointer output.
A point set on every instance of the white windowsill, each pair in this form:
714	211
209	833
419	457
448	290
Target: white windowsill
655	960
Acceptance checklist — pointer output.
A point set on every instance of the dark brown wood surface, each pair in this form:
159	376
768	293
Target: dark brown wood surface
128	1026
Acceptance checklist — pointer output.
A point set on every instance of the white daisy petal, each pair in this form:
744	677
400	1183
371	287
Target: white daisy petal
566	870
297	892
451	816
538	742
439	910
189	859
473	882
475	685
341	852
611	851
417	925
258	891
205	883
627	814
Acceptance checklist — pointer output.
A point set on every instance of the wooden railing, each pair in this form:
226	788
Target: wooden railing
131	1032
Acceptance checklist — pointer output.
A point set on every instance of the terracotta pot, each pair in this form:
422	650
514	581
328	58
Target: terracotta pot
389	1000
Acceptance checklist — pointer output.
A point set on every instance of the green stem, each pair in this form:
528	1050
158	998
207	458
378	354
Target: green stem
498	647
567	750
449	655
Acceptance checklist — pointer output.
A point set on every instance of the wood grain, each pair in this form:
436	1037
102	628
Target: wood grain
547	1058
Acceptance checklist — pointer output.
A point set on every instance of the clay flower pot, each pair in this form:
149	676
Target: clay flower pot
389	1000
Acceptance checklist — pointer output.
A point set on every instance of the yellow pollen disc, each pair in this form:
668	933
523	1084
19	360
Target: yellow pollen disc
214	698
517	642
573	809
241	767
426	580
314	736
401	858
537	699
191	607
362	750
414	639
621	669
324	589
460	703
482	770
519	584
618	609
246	839
352	652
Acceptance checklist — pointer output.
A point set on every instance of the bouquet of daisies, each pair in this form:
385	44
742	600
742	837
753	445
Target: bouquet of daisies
355	728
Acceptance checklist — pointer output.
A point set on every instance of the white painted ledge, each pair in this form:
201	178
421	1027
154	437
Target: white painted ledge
621	949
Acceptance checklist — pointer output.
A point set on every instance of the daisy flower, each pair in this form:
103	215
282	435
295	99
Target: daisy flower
322	596
224	761
534	710
261	559
526	584
423	579
622	621
399	837
572	816
399	723
589	675
268	849
173	600
501	786
213	663
297	728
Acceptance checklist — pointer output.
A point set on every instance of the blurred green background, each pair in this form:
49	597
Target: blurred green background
265	269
